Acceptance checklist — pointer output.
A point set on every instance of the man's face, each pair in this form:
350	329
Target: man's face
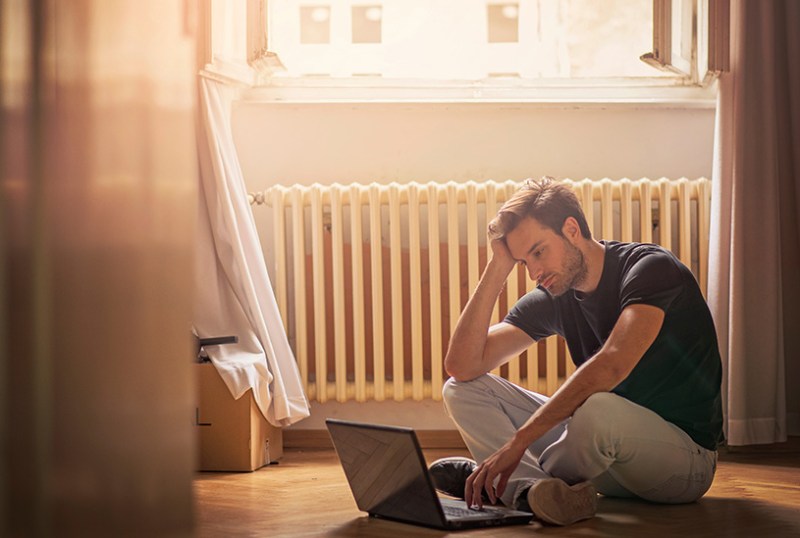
552	261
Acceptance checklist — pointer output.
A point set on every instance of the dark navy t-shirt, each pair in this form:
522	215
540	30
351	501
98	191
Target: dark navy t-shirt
680	375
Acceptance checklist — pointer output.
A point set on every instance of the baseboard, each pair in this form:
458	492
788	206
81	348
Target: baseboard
320	439
306	439
791	446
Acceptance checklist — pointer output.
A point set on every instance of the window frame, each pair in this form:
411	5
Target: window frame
709	47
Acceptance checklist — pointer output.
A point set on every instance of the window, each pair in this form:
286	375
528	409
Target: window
691	38
483	48
464	39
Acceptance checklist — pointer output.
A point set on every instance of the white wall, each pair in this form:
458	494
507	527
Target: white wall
364	142
327	142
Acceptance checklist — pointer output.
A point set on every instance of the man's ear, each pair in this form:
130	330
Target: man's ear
571	229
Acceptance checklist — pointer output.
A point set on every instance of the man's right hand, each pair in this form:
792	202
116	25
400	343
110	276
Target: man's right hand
502	256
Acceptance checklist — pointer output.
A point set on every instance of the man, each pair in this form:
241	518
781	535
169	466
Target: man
640	417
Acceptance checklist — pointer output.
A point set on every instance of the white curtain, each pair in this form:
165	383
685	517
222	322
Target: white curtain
754	283
234	295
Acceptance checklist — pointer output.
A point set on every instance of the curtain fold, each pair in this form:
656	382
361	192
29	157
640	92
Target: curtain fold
754	288
233	291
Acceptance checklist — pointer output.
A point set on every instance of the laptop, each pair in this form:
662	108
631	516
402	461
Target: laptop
389	479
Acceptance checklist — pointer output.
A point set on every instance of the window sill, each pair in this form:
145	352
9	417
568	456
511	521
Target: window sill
665	92
555	94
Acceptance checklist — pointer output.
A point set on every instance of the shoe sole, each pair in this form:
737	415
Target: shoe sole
554	502
455	458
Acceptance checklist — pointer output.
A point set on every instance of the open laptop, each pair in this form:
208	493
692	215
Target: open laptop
389	478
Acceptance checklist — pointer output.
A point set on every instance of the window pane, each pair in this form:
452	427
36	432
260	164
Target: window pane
463	39
315	24
367	24
605	38
503	23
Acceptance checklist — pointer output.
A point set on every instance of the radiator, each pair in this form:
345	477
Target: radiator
370	279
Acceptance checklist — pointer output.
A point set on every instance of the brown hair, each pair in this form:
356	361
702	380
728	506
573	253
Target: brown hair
546	200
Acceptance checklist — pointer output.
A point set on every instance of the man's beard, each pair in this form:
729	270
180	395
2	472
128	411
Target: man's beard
573	271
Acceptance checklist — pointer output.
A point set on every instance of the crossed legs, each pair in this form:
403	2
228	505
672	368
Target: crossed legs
625	450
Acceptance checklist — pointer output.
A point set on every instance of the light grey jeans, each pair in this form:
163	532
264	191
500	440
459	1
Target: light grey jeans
625	449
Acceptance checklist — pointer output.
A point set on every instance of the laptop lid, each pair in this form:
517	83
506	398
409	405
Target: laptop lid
388	476
386	473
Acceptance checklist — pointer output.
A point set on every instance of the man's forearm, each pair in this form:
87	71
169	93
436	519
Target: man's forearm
591	378
465	353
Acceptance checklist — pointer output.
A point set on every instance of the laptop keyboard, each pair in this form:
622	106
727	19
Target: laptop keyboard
459	512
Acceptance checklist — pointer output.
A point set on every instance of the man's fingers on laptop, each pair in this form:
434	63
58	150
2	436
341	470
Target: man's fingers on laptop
474	486
502	483
477	487
488	485
468	488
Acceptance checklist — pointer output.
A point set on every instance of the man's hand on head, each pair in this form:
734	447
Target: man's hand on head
502	256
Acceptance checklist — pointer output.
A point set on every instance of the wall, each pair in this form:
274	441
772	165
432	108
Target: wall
364	142
327	142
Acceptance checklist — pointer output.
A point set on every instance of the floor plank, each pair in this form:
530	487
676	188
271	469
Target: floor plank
306	495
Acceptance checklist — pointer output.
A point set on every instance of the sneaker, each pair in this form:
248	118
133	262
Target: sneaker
551	500
450	475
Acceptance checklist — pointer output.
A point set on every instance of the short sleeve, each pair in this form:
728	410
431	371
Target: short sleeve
536	314
653	278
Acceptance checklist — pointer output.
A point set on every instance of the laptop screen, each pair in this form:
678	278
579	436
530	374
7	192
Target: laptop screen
386	471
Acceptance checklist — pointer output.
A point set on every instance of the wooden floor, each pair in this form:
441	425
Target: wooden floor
754	495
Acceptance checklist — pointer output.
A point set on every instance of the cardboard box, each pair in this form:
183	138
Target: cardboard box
232	435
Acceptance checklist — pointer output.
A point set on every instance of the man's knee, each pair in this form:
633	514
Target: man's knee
575	456
449	389
453	395
598	405
594	415
455	392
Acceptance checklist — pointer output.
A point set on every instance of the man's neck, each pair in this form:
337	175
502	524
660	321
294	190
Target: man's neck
595	254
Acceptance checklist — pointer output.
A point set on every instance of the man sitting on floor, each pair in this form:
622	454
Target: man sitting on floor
640	417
